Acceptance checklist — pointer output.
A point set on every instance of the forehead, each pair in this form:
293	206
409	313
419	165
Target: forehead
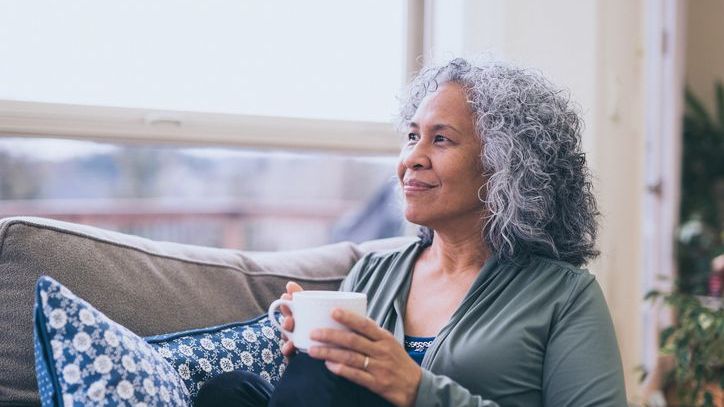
449	103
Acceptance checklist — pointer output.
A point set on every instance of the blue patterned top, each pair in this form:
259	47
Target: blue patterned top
416	346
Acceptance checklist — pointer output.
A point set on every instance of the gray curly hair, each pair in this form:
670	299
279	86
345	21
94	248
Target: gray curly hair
538	192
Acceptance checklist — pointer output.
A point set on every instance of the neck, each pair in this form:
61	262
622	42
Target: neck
458	252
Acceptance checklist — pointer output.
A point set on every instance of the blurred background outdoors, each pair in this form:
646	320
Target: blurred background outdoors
267	125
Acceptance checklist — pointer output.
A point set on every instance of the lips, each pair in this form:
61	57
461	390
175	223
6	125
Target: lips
411	185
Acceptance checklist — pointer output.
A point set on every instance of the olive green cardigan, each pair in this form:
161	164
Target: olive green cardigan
532	335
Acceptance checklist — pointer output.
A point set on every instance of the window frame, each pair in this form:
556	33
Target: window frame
116	124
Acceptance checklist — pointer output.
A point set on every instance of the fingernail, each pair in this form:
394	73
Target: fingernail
337	313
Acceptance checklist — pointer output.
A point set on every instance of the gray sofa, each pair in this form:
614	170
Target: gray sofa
150	287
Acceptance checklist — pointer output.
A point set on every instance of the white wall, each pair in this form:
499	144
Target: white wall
596	50
554	37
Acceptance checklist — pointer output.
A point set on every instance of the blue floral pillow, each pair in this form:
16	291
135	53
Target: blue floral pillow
201	354
83	358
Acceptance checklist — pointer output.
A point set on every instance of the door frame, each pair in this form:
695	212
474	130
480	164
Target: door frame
665	62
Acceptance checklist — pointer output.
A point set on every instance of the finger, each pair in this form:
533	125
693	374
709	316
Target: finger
288	324
286	312
360	324
284	308
288	348
337	355
344	339
293	287
361	377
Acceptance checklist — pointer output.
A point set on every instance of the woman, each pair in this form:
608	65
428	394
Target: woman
489	307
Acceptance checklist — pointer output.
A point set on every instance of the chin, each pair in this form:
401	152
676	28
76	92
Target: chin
416	218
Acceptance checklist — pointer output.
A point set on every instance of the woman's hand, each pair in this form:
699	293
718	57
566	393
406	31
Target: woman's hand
288	348
369	356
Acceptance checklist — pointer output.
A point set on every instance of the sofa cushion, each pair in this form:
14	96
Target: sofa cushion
84	358
200	354
180	286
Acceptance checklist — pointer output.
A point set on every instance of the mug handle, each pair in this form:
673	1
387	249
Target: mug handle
272	308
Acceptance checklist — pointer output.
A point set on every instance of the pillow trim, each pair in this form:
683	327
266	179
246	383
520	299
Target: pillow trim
40	329
154	339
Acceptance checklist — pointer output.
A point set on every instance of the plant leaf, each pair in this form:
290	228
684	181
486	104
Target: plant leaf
643	373
720	102
696	108
653	294
708	399
664	336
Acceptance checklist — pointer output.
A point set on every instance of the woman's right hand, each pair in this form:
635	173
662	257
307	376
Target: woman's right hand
288	348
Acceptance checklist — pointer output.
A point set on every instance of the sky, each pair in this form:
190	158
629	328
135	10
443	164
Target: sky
277	58
53	150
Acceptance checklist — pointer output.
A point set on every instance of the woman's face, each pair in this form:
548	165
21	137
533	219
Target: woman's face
439	165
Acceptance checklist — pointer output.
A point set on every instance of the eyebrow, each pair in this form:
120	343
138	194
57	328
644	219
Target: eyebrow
439	126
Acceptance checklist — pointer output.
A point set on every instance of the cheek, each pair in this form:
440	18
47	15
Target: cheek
469	180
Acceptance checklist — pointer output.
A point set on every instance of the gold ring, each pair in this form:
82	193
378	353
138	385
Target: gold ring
367	362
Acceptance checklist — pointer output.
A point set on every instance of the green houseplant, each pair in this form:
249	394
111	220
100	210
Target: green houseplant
702	187
695	341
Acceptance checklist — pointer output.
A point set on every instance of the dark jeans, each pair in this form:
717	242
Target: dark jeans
306	382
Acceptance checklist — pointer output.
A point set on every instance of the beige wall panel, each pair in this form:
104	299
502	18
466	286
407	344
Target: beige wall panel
595	49
705	47
619	138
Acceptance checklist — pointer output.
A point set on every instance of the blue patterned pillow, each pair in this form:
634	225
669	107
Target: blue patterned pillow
83	358
201	354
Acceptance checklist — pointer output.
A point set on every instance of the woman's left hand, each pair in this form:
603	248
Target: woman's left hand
369	356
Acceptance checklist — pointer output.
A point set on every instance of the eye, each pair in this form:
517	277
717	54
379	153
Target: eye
413	137
440	139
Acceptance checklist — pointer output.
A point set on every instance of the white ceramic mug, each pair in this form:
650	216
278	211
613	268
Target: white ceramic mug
313	309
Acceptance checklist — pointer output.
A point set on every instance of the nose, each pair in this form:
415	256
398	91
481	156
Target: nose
416	157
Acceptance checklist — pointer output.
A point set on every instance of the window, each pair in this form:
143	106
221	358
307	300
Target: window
232	198
224	72
245	118
320	59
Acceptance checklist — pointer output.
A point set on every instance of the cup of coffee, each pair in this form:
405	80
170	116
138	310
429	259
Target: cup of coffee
313	309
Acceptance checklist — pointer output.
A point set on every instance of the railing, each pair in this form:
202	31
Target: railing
224	223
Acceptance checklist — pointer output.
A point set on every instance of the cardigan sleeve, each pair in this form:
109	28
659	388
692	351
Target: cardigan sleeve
582	365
